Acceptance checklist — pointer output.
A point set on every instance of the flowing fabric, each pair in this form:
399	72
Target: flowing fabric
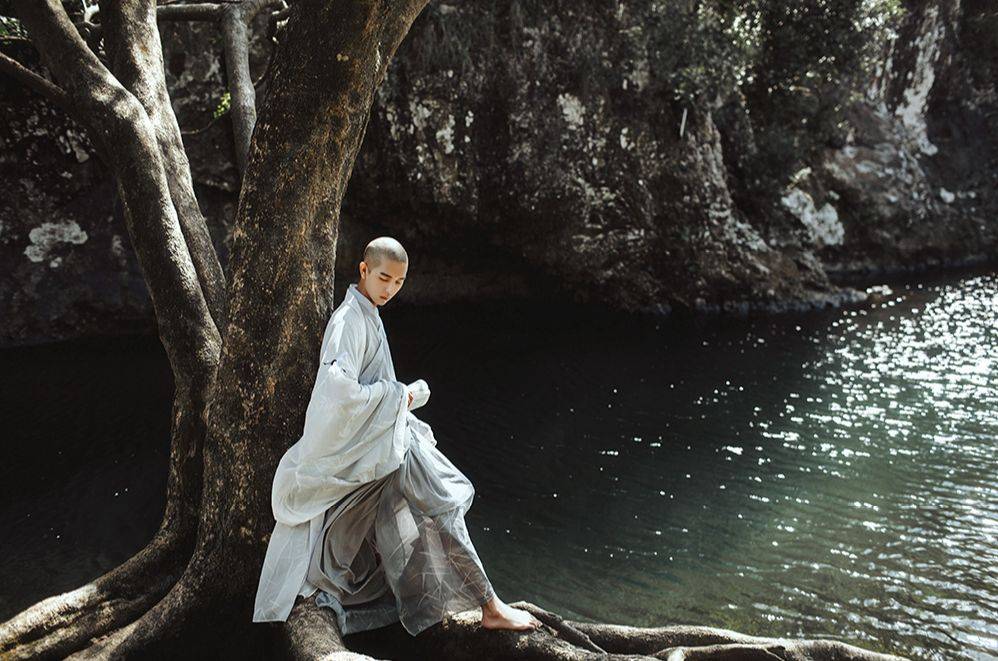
428	566
353	482
357	429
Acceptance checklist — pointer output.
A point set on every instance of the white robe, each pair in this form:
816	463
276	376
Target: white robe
357	429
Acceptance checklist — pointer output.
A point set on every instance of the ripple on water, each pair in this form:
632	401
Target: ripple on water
837	477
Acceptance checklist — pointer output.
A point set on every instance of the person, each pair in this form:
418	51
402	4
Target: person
369	513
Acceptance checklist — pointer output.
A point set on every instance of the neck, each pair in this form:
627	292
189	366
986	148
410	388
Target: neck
360	288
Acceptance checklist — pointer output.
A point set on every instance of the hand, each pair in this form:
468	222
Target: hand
419	393
410	400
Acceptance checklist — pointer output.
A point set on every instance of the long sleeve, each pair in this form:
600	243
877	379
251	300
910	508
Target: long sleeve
420	393
338	378
355	424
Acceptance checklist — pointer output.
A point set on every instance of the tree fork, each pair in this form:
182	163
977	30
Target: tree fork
132	41
282	262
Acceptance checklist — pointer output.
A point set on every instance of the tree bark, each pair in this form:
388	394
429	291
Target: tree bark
126	138
235	34
280	294
132	41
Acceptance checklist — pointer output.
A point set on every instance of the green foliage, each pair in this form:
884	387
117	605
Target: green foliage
11	27
223	106
701	50
704	48
814	59
798	64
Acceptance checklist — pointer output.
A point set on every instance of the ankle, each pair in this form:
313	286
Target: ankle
491	606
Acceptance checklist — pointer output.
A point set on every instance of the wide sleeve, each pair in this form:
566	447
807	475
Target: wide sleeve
420	393
351	424
340	366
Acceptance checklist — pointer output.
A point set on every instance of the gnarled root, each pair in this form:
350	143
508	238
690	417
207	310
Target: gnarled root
699	642
175	623
460	636
59	625
312	632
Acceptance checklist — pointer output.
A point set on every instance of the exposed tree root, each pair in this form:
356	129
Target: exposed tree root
692	642
460	636
195	602
59	625
312	632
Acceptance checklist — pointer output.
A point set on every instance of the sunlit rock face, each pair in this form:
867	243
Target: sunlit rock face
519	151
579	170
916	184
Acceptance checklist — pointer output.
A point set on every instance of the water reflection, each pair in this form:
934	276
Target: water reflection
828	475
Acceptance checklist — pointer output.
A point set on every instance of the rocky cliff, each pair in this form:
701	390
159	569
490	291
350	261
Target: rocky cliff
540	150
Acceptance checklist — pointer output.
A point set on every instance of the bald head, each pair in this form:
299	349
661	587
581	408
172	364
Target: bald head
384	248
383	271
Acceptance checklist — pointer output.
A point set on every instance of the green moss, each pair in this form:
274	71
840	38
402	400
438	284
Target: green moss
223	106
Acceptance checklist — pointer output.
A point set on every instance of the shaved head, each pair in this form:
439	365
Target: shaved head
384	248
383	270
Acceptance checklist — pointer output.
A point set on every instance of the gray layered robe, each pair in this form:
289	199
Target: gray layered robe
358	427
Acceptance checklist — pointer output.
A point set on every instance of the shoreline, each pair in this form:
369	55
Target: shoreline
851	283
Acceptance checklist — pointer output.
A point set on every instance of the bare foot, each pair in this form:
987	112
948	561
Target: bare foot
498	615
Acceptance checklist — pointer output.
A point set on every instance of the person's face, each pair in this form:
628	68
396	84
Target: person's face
384	280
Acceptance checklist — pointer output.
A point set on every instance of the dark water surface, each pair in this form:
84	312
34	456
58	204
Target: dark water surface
832	474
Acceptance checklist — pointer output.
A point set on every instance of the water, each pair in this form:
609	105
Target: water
829	475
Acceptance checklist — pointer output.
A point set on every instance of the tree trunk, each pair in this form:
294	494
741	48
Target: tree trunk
308	132
244	359
122	131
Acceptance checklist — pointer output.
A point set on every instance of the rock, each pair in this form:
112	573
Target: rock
511	171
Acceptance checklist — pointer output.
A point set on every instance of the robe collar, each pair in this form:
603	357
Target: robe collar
365	304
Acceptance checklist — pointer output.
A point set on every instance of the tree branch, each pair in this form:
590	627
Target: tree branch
34	82
236	20
133	44
121	130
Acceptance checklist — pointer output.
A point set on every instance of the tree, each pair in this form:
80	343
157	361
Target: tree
243	351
